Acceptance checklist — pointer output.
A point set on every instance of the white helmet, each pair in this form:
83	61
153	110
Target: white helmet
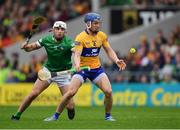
60	24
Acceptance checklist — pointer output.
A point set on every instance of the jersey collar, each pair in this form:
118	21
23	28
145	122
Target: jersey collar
54	39
89	33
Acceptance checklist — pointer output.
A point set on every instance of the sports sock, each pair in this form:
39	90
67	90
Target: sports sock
56	115
108	115
18	114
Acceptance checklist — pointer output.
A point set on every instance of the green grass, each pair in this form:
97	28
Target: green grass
93	118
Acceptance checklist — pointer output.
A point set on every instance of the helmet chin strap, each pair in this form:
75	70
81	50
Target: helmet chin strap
88	26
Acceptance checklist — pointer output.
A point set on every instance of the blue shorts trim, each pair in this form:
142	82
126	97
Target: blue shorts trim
91	74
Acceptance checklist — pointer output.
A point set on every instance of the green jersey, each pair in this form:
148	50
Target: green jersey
58	53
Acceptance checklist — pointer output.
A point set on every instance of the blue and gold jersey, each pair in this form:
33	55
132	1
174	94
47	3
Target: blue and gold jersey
90	46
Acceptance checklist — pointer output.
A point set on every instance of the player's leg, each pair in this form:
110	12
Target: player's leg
103	83
39	86
73	88
70	104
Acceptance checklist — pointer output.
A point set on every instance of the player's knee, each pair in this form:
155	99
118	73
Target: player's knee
108	92
33	95
71	93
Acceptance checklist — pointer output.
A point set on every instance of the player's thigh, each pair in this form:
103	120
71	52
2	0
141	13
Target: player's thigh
75	84
104	84
64	89
39	86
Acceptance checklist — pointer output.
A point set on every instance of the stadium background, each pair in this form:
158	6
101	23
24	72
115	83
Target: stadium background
152	77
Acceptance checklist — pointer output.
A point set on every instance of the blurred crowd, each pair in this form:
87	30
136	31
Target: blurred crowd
16	16
141	3
11	71
157	60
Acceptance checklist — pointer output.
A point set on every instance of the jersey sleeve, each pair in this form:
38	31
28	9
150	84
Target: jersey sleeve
105	40
41	41
78	44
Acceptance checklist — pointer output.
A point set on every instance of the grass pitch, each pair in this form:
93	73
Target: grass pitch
93	118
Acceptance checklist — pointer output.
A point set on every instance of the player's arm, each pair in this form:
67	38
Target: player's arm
77	55
112	55
77	50
31	46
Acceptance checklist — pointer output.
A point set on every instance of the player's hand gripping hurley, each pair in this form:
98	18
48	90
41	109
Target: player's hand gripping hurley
45	75
36	23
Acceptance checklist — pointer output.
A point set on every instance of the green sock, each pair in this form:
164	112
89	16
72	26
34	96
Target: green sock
18	114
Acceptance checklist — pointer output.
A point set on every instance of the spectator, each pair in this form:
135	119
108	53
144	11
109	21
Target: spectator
144	79
15	61
160	37
171	47
176	72
16	16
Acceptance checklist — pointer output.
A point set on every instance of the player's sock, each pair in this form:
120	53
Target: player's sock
18	114
107	115
56	115
52	118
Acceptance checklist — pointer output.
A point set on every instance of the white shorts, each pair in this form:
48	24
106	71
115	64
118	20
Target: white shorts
61	80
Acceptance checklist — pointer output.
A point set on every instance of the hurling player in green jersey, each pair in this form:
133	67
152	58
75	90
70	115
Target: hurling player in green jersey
58	48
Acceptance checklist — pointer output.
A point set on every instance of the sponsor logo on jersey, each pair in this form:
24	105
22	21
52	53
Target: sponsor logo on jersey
94	50
88	52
